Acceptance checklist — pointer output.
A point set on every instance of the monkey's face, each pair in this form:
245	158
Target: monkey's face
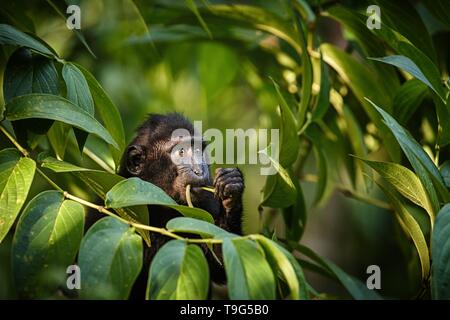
172	165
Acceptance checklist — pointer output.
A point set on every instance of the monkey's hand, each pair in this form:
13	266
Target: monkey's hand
229	187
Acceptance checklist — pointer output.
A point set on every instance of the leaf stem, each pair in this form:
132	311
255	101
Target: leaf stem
162	231
14	142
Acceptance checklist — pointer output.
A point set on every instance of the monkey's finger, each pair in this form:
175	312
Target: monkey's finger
223	183
233	189
234	172
220	171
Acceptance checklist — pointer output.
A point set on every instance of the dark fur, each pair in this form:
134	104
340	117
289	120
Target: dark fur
147	157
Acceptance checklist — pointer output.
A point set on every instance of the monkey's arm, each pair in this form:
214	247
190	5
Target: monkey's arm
229	188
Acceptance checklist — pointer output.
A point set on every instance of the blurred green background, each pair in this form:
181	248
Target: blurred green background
224	83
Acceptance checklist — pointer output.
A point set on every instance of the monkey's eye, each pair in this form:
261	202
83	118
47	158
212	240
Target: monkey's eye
181	152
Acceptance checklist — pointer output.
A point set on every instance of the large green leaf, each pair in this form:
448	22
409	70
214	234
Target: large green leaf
323	99
355	287
280	263
78	92
100	182
397	15
110	259
26	74
279	190
406	183
12	36
412	228
29	73
408	98
196	226
360	78
429	75
108	113
288	132
135	191
371	44
440	255
249	275
423	166
46	242
178	272
77	88
46	106
16	176
295	216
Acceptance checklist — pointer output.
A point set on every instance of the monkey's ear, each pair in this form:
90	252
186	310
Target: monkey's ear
135	159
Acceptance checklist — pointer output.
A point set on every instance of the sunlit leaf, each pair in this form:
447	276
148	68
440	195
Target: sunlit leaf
110	259
196	226
16	176
134	191
249	276
108	113
46	242
13	36
46	106
178	272
412	228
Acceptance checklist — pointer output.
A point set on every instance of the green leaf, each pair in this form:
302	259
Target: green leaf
445	172
26	74
100	182
45	106
307	73
360	78
411	226
77	88
134	191
195	226
397	16
110	259
355	287
249	276
288	131
280	263
58	136
46	242
323	99
408	98
192	6
419	159
371	44
440	255
12	36
295	216
178	272
431	78
78	92
279	190
108	113
405	182
16	176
